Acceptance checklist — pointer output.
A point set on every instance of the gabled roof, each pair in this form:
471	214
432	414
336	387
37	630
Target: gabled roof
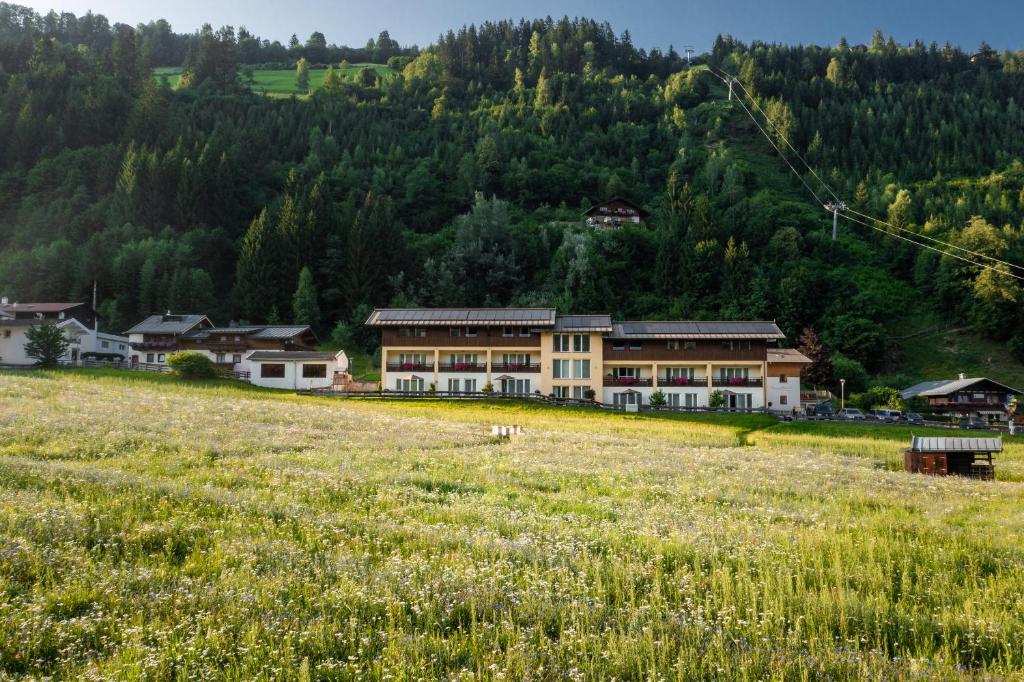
787	355
280	331
477	317
595	210
696	330
289	356
936	389
38	307
583	323
932	444
168	324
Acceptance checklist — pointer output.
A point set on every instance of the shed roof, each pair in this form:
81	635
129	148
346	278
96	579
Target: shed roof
787	355
167	324
697	330
583	323
934	389
482	317
933	444
289	356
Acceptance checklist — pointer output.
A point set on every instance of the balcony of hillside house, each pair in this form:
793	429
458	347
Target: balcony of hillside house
468	367
152	345
410	367
628	382
513	367
737	382
682	382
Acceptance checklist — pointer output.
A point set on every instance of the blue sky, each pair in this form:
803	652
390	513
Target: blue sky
653	23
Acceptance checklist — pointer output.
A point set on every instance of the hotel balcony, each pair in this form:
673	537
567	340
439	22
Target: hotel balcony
468	367
737	382
515	367
682	382
628	382
410	367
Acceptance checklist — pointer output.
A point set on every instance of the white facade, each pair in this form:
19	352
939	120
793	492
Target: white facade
14	336
783	396
296	371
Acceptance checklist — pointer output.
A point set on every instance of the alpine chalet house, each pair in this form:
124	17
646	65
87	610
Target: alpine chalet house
964	397
521	351
228	346
615	213
79	322
156	337
785	365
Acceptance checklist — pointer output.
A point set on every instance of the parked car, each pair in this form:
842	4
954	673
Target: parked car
887	416
821	411
851	413
974	423
914	419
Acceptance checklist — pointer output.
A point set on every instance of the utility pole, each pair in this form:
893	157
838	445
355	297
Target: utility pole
731	81
836	208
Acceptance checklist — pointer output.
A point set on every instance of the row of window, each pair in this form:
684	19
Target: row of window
676	344
463	358
507	332
506	386
570	343
106	344
740	401
570	369
275	370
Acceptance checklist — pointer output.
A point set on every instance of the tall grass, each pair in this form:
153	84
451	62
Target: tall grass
150	530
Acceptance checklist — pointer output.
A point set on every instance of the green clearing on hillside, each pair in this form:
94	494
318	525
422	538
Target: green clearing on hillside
216	531
281	82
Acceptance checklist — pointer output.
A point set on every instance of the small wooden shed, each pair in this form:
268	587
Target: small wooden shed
970	457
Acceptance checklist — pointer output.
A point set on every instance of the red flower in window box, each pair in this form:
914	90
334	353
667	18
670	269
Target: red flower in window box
627	381
408	365
680	381
736	381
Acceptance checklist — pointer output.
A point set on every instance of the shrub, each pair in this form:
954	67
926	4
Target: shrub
658	399
589	394
881	396
716	399
190	364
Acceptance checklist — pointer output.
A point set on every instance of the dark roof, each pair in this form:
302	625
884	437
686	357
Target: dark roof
790	355
583	323
289	355
38	307
935	389
931	444
697	330
480	317
167	324
595	210
253	331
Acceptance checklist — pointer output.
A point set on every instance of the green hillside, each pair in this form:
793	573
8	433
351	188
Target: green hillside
281	82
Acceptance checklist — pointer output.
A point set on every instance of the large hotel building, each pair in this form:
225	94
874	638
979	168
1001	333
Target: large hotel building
528	350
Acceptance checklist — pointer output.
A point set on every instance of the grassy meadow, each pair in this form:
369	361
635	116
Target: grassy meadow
281	82
151	529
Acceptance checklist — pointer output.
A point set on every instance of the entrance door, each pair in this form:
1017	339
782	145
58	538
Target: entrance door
737	401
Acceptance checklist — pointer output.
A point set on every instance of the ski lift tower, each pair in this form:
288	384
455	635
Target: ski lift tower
835	208
689	54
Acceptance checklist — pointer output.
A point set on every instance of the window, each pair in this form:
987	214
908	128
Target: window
236	358
455	331
224	339
453	386
404	331
581	343
411	385
618	345
560	369
412	359
508	331
220	359
736	345
581	369
149	357
471	332
161	357
673	345
734	373
782	379
628	398
237	339
272	370
636	345
462	360
783	400
560	343
469	385
681	399
515	386
579	391
560	391
314	371
672	399
679	373
628	372
524	331
104	344
689	345
421	332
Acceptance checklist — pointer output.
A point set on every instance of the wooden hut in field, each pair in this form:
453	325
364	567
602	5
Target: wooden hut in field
970	457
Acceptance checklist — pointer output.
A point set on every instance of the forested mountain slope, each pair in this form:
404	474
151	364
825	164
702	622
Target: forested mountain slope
459	182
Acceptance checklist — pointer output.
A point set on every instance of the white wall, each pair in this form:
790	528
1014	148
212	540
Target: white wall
12	348
790	389
292	379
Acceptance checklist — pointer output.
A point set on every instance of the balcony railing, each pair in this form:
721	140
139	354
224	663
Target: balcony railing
410	367
735	382
152	345
628	382
475	368
514	367
682	382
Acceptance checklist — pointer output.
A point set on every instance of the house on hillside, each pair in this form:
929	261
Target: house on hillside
156	337
615	213
79	322
227	346
295	370
964	397
524	351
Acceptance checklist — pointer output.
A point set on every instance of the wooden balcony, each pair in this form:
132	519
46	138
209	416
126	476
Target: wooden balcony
719	382
677	382
628	382
467	367
515	368
410	367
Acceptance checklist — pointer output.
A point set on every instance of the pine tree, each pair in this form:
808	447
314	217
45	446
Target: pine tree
258	275
305	309
46	344
302	75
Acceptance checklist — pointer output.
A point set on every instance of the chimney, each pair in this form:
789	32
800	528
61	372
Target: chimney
962	376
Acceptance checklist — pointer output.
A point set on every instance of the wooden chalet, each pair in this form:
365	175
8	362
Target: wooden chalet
971	457
615	213
964	397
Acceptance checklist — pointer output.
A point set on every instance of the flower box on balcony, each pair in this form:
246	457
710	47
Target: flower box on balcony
737	381
627	381
408	365
680	381
461	366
